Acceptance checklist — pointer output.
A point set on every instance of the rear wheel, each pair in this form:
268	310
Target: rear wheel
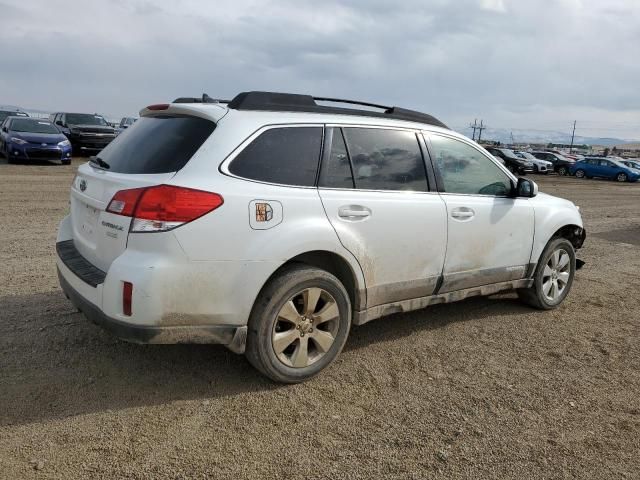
553	277
580	174
562	171
621	177
298	325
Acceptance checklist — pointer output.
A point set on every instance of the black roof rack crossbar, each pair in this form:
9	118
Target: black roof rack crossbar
352	102
293	102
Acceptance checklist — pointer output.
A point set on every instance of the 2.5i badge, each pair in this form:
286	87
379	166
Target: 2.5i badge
264	214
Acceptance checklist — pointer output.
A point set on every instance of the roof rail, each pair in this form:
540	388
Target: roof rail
204	99
293	102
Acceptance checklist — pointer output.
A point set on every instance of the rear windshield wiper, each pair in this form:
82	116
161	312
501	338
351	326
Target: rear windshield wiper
99	162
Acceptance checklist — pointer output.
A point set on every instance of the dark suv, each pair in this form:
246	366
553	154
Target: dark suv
561	165
87	132
514	163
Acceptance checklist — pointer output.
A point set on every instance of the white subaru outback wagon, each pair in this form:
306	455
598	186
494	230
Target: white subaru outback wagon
273	222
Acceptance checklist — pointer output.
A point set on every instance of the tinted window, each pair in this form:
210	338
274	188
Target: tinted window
605	163
463	169
287	155
336	171
157	144
386	159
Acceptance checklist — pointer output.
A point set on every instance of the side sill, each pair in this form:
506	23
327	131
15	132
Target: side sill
362	317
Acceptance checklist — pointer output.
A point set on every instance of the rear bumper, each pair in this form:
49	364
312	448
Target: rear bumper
233	337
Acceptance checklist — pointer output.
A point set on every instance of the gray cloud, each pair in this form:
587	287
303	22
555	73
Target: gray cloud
534	64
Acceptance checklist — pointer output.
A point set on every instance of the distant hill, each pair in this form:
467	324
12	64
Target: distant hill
543	136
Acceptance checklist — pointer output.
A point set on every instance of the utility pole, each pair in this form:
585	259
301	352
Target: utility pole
512	142
480	128
474	126
572	135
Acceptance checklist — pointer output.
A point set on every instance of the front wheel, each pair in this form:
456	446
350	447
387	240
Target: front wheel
580	174
298	325
621	177
562	171
553	277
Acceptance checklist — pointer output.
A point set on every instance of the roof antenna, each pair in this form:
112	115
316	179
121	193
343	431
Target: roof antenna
207	99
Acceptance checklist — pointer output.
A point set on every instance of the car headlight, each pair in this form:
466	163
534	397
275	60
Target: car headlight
19	141
64	143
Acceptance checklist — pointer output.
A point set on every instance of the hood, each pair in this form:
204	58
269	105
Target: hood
49	138
550	199
92	128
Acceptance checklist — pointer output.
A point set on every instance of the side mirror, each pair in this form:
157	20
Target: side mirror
526	188
59	122
5	129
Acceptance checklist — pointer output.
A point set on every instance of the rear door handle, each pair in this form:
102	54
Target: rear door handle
463	213
354	212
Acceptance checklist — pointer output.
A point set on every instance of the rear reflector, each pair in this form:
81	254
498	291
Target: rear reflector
127	295
163	207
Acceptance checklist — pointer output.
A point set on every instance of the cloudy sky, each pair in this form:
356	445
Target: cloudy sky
535	64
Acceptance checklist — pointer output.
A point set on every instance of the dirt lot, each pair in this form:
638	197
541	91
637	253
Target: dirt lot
486	388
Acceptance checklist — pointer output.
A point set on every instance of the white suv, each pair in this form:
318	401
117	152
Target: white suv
273	222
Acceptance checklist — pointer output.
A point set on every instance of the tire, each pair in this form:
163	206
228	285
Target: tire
580	174
562	171
276	313
544	274
621	177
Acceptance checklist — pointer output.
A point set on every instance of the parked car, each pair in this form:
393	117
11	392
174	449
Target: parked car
125	123
539	166
25	138
5	112
605	168
561	164
271	224
635	164
87	132
514	163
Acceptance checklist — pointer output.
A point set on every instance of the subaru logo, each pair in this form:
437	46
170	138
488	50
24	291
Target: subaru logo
83	185
44	144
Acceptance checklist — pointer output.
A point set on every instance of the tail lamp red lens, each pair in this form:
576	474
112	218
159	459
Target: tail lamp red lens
163	207
127	298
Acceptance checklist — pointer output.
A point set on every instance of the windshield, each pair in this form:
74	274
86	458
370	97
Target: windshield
509	153
4	114
31	125
85	119
526	155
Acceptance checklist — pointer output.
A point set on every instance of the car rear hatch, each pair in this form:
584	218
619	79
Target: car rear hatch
147	154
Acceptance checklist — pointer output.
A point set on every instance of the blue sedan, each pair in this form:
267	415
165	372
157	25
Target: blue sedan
604	168
26	138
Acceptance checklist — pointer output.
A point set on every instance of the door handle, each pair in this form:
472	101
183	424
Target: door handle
354	212
463	213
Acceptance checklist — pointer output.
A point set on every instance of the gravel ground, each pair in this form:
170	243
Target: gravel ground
486	388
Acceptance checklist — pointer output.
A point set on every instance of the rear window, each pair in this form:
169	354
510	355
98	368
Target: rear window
161	144
287	155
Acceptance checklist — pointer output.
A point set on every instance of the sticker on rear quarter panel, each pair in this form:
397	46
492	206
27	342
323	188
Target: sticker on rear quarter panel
264	214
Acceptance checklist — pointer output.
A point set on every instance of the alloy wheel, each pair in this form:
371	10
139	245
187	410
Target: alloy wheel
580	174
305	328
556	274
621	177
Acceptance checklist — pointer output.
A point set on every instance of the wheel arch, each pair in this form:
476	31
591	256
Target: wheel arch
349	275
576	234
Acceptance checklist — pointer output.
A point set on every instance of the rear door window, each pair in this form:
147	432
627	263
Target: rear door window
162	144
284	155
384	159
336	169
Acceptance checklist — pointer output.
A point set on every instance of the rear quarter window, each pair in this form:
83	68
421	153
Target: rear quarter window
162	144
284	155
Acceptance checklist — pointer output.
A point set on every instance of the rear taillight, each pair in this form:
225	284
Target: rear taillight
163	207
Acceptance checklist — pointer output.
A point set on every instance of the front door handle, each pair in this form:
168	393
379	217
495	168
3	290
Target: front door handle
354	212
463	213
